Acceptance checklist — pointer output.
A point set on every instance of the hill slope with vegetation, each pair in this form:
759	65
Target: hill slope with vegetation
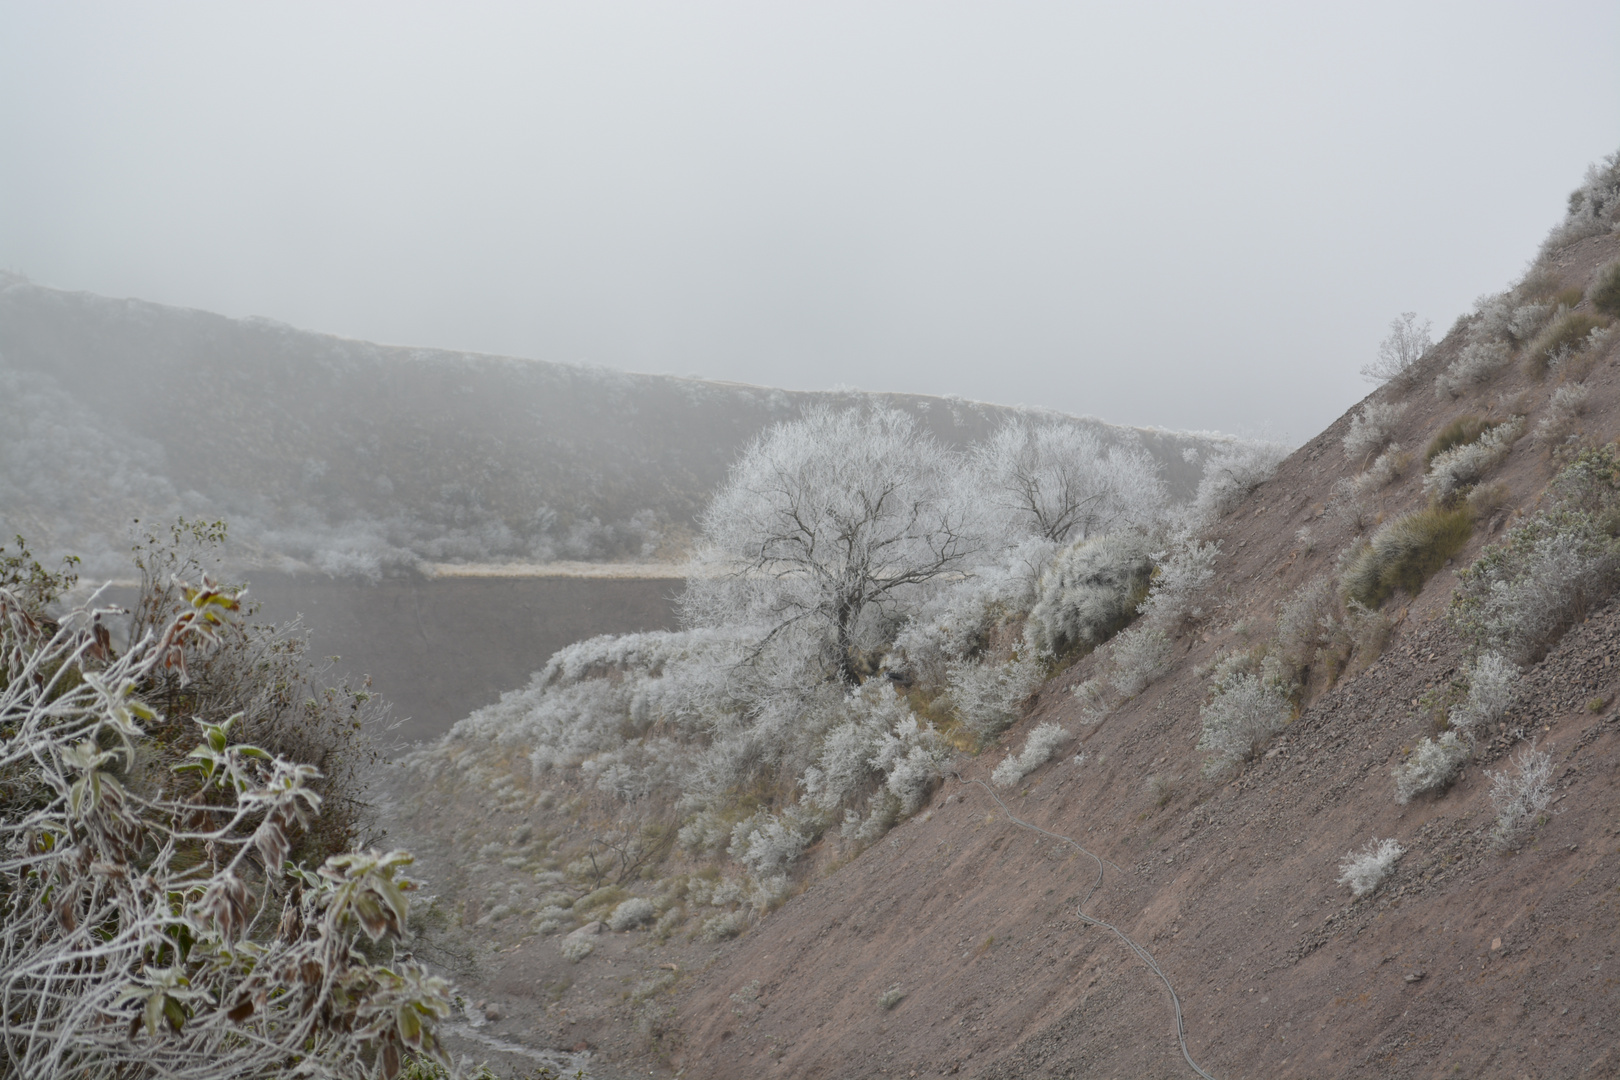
1341	736
350	458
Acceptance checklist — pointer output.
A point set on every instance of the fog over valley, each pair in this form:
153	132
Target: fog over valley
880	540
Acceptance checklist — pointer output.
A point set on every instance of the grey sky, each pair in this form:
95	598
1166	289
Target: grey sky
1187	215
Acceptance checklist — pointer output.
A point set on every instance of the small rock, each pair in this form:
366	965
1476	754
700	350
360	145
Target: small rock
1496	944
596	926
1416	976
492	1012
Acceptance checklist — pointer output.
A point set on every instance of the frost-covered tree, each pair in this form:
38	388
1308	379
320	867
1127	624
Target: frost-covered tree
827	527
1062	483
1407	343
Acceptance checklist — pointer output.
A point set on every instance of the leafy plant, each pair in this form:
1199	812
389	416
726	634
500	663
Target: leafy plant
152	923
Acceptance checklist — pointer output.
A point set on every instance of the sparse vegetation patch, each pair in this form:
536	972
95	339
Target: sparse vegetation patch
1404	553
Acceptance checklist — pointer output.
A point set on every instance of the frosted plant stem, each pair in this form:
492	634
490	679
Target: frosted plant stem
1091	920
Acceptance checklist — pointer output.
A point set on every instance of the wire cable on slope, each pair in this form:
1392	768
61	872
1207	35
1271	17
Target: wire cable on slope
1141	952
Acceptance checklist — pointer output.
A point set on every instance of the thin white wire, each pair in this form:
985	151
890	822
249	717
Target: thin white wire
1141	952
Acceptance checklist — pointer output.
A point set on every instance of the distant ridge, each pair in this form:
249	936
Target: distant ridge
350	458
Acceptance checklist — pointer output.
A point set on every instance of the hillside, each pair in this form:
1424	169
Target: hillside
349	458
1468	961
953	943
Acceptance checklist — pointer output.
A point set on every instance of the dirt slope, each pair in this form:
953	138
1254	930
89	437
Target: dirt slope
1466	962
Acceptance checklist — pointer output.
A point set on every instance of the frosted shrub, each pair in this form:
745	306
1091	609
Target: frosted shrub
910	756
1398	354
1230	473
1178	582
1244	713
1385	468
1348	503
1370	428
1089	592
550	919
1594	207
956	622
576	947
1518	598
988	697
1454	469
1477	363
1490	690
722	927
1093	700
1366	869
1139	656
632	914
1527	319
767	844
1567	403
1037	751
1432	766
1522	793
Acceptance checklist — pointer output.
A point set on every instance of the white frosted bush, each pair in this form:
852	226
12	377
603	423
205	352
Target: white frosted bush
1398	354
988	697
722	927
1567	403
1305	620
1366	869
634	912
1089	592
1477	363
1515	607
1522	793
1230	473
1385	468
1178	582
766	844
955	623
910	756
1037	751
1490	690
576	947
1093	700
1432	766
1460	466
1244	713
1139	656
1370	428
1594	207
1526	319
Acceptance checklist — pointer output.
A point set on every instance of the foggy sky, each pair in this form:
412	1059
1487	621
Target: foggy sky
1188	215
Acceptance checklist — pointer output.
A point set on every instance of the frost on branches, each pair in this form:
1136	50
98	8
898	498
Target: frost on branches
152	927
